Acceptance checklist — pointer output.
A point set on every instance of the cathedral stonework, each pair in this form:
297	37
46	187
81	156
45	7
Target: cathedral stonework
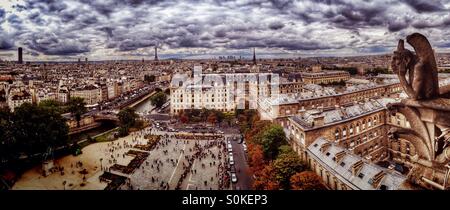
427	108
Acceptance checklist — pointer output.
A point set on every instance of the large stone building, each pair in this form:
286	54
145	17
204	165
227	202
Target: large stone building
358	132
90	93
318	76
223	92
17	98
284	106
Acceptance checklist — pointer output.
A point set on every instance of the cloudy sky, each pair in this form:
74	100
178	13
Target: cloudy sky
128	29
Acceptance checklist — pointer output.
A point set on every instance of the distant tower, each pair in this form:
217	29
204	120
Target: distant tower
20	60
86	60
156	53
79	60
254	56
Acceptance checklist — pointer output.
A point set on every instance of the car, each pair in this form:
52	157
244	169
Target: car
245	147
220	132
230	148
231	160
230	153
234	178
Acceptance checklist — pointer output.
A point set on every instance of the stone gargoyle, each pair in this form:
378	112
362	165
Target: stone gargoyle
427	107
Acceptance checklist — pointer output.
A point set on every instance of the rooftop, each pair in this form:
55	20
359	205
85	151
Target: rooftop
354	171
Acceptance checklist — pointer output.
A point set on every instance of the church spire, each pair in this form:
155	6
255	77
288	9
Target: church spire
254	56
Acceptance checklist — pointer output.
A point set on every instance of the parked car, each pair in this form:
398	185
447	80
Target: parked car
230	149
234	178
231	160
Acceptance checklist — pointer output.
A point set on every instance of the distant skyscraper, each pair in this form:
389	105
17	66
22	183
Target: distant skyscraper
254	56
20	60
156	53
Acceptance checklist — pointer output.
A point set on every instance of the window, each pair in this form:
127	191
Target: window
336	134
342	164
361	175
351	130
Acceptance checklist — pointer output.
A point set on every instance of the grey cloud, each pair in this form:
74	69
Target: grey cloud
276	25
128	25
50	44
425	5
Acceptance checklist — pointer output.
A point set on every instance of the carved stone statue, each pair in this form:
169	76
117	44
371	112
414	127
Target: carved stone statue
423	76
427	109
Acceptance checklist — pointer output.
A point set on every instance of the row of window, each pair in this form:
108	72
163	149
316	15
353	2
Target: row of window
360	126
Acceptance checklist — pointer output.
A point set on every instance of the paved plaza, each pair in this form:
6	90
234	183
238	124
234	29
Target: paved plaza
178	163
174	162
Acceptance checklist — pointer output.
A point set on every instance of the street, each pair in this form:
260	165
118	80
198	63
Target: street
243	172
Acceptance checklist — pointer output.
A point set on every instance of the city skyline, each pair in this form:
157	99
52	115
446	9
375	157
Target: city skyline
129	30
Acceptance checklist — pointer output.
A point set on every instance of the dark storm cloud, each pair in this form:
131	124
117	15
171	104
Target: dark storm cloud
126	27
47	6
425	5
397	25
281	4
14	19
36	18
51	44
6	43
2	14
276	25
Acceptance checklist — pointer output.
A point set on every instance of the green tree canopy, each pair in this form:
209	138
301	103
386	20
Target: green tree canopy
37	128
271	140
6	135
158	99
77	107
285	166
149	78
127	119
51	105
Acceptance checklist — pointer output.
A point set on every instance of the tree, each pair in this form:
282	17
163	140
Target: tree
158	99
6	135
285	149
285	166
256	157
167	91
184	118
271	140
212	118
149	78
36	129
306	180
127	118
77	107
51	105
265	179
